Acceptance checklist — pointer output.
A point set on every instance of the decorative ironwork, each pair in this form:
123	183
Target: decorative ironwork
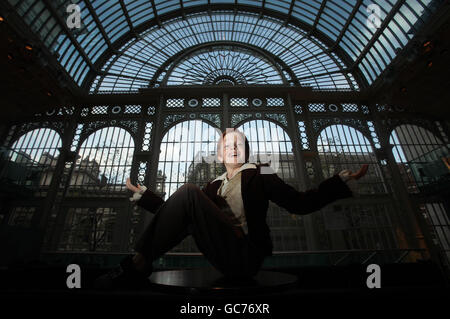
224	65
373	134
319	124
172	118
84	111
99	110
356	123
238	118
133	109
147	135
131	125
275	101
151	110
116	109
62	111
211	102
214	118
93	126
257	102
280	118
175	103
57	126
333	108
316	107
346	107
193	103
142	172
303	136
238	102
76	137
365	109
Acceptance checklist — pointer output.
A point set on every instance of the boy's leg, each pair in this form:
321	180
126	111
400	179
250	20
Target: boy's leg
190	211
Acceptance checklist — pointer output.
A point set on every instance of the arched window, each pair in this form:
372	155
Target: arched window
33	158
188	153
102	167
343	147
269	141
419	154
355	225
421	158
104	163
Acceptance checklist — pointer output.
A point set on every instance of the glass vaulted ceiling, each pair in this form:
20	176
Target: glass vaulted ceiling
128	44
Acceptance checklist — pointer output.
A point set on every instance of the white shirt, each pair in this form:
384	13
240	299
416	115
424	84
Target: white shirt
230	190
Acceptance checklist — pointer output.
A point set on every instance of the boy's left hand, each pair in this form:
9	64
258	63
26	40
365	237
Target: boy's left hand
362	171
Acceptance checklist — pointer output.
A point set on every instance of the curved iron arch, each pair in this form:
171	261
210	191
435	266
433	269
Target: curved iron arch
364	133
84	136
423	124
285	129
164	131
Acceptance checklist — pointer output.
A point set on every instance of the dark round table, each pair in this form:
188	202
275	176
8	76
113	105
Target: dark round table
209	280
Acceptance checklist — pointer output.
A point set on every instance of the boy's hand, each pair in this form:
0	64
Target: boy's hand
362	171
133	188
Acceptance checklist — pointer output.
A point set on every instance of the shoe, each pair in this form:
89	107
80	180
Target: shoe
124	277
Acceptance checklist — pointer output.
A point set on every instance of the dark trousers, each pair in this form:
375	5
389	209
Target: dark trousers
190	212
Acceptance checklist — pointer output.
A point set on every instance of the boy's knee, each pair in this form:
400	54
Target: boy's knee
189	190
188	187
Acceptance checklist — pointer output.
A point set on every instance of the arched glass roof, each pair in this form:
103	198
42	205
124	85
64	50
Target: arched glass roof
123	45
143	57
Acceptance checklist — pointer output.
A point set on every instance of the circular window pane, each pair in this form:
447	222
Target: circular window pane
257	102
193	103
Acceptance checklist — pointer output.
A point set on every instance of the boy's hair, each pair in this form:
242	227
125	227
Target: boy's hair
233	130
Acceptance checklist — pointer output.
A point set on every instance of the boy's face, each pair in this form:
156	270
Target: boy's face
233	150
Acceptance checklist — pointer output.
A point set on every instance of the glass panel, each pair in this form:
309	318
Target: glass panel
32	160
103	164
419	154
342	147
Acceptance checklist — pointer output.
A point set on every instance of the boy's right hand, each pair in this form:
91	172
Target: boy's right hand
133	188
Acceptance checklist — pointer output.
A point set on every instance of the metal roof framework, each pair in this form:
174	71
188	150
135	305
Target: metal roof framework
128	44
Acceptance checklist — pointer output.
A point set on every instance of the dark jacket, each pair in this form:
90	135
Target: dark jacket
257	189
